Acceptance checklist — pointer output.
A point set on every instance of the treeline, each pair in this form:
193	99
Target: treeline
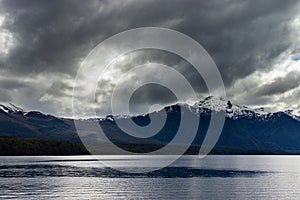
13	146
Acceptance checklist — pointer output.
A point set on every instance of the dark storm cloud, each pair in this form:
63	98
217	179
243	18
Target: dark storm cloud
242	36
280	85
12	84
59	89
53	37
146	96
48	37
56	35
4	95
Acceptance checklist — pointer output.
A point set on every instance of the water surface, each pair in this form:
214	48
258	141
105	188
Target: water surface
214	177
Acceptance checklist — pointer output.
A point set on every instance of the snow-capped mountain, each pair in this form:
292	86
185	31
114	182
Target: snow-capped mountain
218	104
16	122
246	130
206	105
10	108
234	111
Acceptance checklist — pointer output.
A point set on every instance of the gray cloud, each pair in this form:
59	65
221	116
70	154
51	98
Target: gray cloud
11	84
147	96
280	85
59	89
4	95
233	32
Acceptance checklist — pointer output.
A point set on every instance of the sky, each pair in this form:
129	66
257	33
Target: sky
255	45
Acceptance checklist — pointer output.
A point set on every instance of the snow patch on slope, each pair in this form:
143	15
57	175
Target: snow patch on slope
234	111
10	108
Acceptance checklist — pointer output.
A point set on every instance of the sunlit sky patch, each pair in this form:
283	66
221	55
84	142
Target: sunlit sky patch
296	57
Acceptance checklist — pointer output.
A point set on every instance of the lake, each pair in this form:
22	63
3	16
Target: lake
213	177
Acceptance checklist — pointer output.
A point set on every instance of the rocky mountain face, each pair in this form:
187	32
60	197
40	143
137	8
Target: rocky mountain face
16	122
246	130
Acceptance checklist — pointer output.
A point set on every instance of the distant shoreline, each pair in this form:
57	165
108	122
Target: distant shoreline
15	146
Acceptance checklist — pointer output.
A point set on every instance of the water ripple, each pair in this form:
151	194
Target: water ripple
45	170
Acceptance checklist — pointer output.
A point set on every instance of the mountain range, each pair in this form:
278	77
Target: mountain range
246	130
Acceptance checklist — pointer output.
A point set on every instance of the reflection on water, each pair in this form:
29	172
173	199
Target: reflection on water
215	177
70	171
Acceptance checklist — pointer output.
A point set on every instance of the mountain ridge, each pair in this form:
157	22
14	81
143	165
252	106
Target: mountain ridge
245	129
209	103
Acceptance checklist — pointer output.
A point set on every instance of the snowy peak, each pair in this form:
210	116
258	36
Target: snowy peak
291	114
207	105
234	111
11	109
218	104
212	103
